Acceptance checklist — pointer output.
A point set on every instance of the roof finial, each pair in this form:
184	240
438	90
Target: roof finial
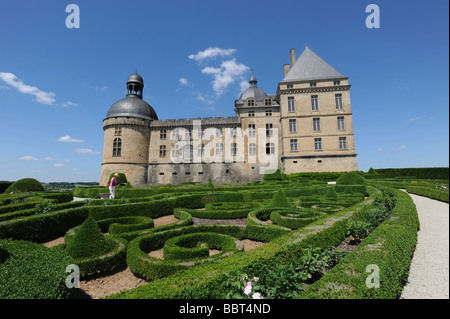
135	72
306	45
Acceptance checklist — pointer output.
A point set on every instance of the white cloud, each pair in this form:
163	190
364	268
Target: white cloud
49	159
204	98
184	81
68	104
379	149
27	158
40	96
210	53
244	85
413	119
74	169
228	73
86	151
58	165
398	148
69	139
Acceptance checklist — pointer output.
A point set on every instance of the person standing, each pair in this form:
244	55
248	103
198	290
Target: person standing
112	186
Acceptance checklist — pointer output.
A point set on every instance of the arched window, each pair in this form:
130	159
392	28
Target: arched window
117	147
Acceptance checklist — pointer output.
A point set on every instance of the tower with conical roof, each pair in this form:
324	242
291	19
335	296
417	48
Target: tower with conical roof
127	134
316	117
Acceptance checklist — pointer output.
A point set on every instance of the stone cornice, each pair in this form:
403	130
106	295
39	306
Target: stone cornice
314	89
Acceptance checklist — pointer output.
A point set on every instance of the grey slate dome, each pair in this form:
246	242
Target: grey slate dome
133	105
253	91
135	78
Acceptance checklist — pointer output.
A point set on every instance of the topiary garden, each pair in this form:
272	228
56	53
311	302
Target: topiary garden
298	229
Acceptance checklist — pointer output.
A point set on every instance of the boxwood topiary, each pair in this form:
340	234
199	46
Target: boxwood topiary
351	178
280	200
32	271
25	185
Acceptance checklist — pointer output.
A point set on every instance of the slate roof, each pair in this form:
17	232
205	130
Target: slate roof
310	66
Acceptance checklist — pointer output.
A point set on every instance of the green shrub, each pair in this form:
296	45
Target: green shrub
357	230
331	193
4	186
390	247
280	200
88	241
32	271
45	206
351	178
429	192
420	173
210	183
121	179
92	251
25	185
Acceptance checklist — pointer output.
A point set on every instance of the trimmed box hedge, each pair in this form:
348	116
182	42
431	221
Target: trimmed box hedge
429	192
204	280
390	247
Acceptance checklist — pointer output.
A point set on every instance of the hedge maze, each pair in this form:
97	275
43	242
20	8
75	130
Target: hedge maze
190	258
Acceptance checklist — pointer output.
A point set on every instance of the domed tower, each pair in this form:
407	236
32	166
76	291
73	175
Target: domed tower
127	135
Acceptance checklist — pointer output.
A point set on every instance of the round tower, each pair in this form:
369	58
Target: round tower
127	135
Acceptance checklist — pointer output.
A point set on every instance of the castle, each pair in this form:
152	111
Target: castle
305	127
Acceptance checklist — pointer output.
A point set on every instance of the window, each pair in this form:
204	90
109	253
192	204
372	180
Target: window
340	123
251	102
337	82
188	152
294	146
267	102
163	134
292	125
175	151
162	151
251	113
343	143
188	133
269	129
290	86
117	147
318	144
269	113
201	150
219	132
233	132
251	130
252	149
312	84
291	104
270	148
338	99
233	149
315	102
316	124
176	134
219	149
117	131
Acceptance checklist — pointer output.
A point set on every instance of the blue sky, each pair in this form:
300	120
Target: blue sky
57	84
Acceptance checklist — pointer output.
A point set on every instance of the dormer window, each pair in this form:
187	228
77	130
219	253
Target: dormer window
250	102
312	84
267	102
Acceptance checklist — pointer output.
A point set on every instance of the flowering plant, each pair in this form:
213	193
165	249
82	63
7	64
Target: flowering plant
243	287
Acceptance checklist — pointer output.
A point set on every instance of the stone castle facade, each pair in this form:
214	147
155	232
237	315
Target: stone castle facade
306	126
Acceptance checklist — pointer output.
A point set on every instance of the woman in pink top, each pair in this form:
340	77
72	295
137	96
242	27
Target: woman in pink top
112	186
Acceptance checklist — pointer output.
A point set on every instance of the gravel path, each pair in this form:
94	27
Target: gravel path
429	272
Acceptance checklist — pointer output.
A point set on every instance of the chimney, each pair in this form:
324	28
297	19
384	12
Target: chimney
292	57
286	69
